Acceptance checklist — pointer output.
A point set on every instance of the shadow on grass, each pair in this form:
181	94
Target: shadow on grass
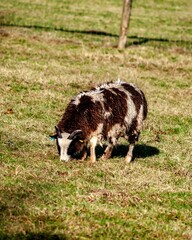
140	151
12	208
136	40
33	236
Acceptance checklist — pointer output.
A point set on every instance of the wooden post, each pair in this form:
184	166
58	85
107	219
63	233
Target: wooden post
125	23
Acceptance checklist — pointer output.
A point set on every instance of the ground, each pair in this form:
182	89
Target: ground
49	52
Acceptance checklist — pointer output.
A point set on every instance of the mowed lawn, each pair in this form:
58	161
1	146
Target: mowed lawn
49	52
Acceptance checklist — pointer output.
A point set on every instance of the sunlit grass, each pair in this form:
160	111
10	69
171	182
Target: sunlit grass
49	56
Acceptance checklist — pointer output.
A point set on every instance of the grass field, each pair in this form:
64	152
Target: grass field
51	50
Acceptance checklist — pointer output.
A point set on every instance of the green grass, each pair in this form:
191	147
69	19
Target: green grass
50	51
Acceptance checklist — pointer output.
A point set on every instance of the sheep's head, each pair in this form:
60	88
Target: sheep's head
69	145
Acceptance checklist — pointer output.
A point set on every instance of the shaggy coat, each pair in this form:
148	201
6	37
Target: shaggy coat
105	113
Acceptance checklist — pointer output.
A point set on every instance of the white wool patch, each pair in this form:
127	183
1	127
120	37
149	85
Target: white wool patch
131	113
93	141
140	118
64	143
96	94
116	131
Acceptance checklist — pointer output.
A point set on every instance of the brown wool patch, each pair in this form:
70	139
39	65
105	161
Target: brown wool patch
116	104
85	116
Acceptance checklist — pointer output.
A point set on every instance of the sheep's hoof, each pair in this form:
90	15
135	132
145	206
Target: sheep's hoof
92	161
106	156
128	159
103	157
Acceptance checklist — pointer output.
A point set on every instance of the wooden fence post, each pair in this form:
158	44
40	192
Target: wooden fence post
125	23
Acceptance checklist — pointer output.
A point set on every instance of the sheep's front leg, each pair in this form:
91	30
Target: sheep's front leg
93	143
84	154
108	151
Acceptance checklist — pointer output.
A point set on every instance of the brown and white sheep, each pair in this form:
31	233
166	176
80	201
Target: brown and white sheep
105	113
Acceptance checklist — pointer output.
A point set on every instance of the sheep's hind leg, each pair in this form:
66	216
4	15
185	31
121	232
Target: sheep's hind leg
129	155
132	139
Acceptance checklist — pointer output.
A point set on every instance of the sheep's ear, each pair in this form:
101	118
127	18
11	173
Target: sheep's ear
53	137
75	134
58	132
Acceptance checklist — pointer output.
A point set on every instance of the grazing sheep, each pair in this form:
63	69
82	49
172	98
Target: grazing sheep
107	112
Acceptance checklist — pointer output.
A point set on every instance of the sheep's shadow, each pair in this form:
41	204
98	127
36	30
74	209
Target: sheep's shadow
140	151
